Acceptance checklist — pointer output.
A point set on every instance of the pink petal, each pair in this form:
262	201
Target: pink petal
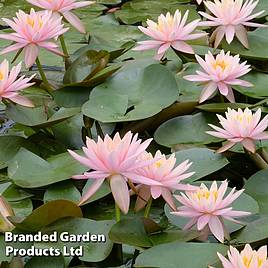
203	221
166	193
241	34
249	145
226	147
31	53
91	191
22	101
216	228
207	92
120	192
183	47
75	21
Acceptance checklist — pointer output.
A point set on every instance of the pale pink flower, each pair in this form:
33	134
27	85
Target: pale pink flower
231	17
32	32
11	85
207	208
5	211
220	73
64	7
167	177
199	1
241	127
247	258
116	160
169	31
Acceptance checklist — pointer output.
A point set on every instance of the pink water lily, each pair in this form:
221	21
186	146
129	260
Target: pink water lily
115	160
64	7
11	85
169	31
5	211
167	178
220	73
247	258
207	208
231	17
32	32
241	127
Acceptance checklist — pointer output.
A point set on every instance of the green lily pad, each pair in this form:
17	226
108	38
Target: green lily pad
47	214
187	255
45	172
38	117
257	187
134	93
187	129
93	251
63	191
204	162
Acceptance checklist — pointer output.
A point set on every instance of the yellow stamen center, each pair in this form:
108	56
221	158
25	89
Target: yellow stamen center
169	20
247	261
159	163
220	63
31	22
206	194
1	76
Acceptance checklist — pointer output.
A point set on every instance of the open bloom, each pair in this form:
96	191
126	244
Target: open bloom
32	32
11	85
169	31
167	178
241	126
230	18
5	211
64	7
209	207
115	159
247	258
220	73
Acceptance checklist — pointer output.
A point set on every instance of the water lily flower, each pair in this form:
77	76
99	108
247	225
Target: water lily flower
220	73
5	211
64	7
169	31
115	160
32	32
11	85
167	177
231	17
247	258
207	208
241	127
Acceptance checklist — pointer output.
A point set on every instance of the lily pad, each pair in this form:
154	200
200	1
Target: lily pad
187	255
187	129
45	172
134	93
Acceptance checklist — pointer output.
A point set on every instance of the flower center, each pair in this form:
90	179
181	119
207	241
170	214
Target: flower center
206	194
161	22
31	22
247	261
241	118
159	163
220	63
1	76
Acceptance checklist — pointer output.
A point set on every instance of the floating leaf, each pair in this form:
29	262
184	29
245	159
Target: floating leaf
134	93
187	255
54	169
188	129
47	214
